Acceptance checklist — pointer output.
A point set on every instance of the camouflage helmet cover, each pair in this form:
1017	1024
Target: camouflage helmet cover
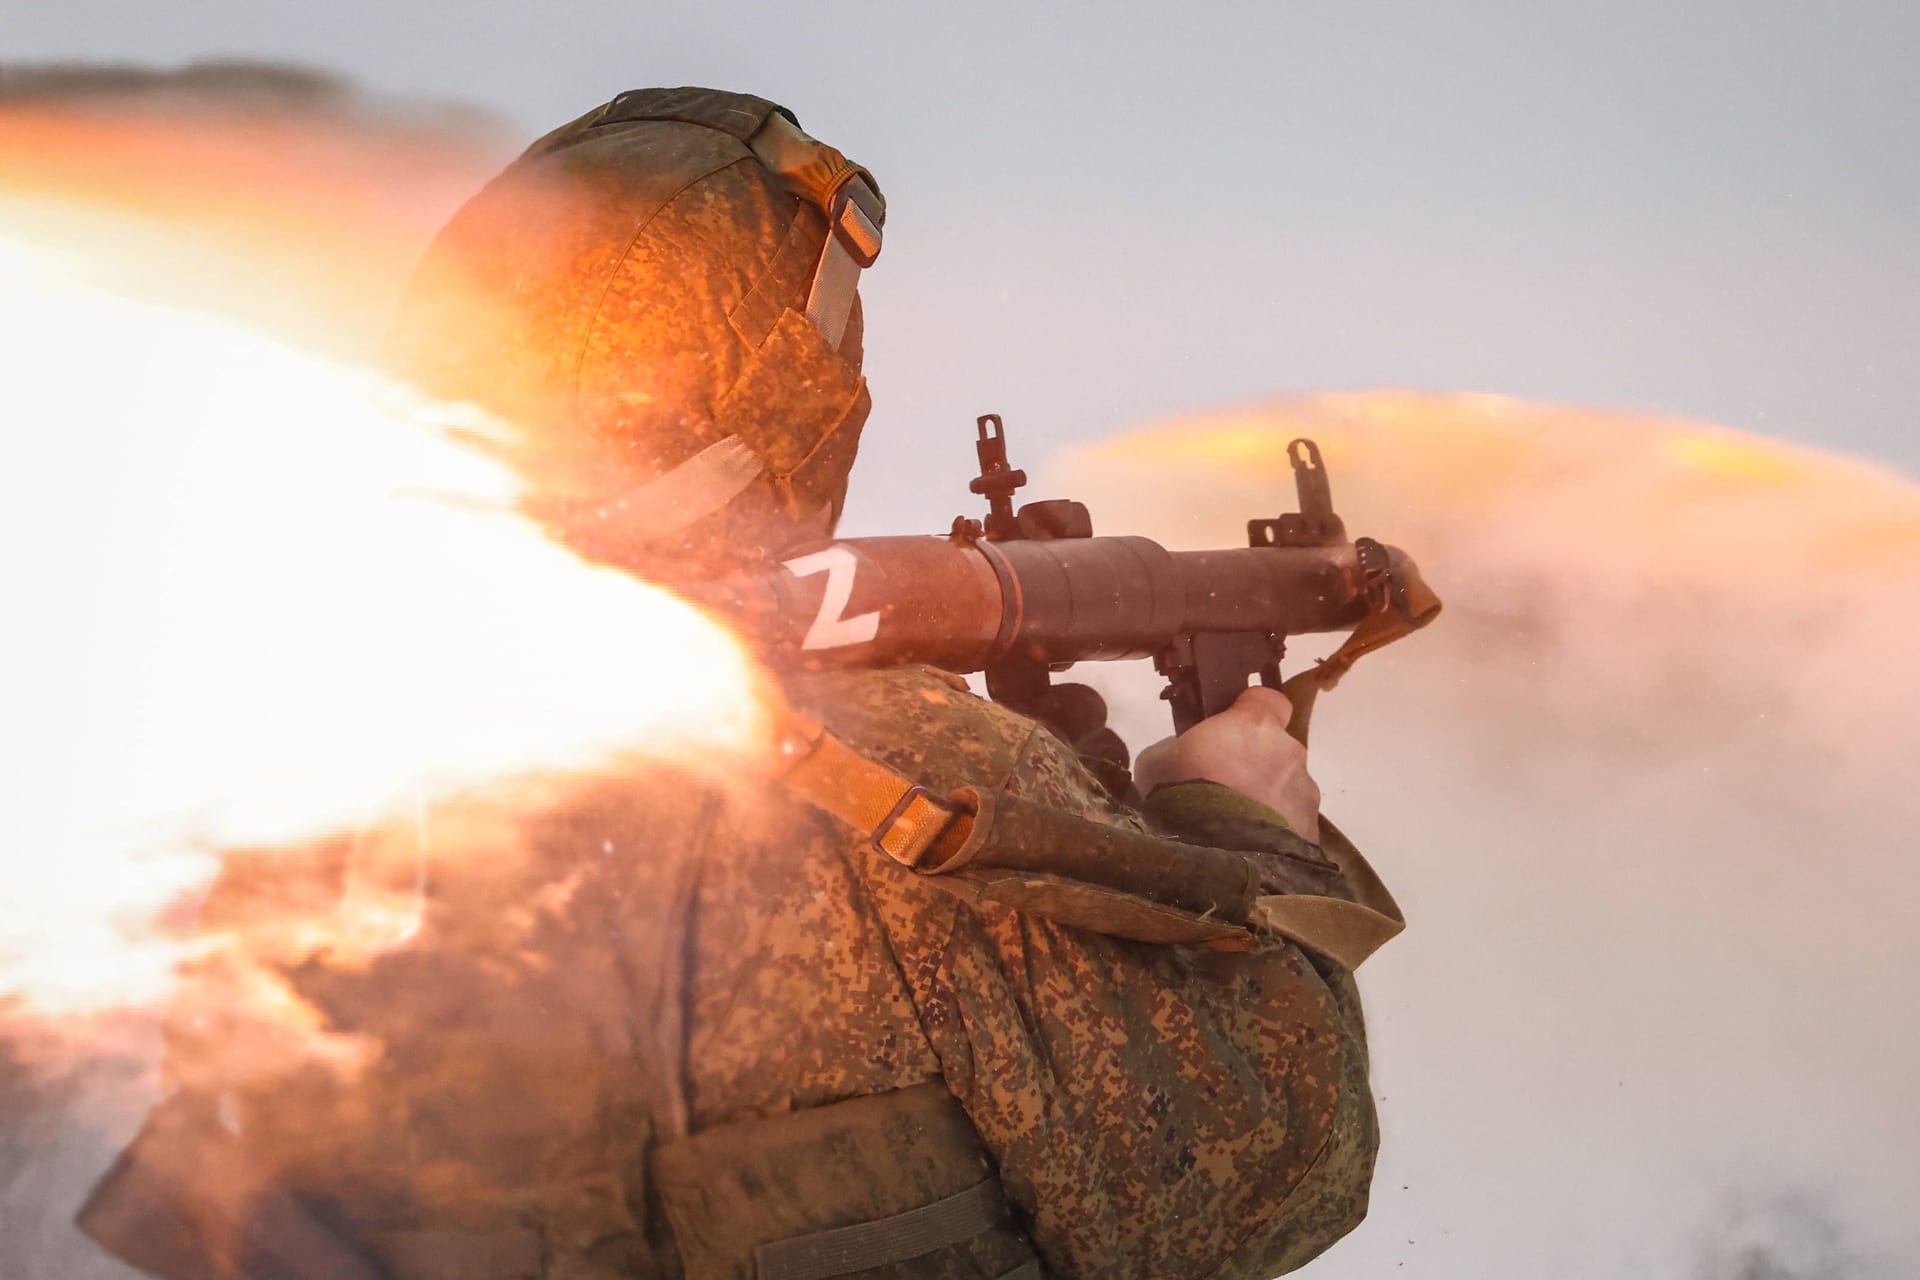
631	296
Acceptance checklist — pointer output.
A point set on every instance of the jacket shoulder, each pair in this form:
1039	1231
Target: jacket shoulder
926	724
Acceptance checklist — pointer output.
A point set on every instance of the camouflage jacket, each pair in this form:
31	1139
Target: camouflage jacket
593	971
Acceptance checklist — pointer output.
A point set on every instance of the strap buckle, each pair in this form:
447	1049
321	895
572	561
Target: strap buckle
857	233
910	856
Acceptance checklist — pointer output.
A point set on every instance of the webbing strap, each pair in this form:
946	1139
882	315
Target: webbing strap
837	278
849	197
835	281
698	487
1406	603
899	817
845	1251
908	823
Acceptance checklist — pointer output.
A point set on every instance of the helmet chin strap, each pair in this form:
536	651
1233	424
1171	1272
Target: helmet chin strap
850	198
703	484
670	503
830	303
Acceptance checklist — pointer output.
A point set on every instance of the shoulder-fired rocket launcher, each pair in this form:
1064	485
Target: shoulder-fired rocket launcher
1023	594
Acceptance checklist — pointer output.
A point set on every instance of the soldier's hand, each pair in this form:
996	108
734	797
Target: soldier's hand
1246	747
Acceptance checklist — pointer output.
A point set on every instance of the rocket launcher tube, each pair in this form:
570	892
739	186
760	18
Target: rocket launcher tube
963	606
1025	593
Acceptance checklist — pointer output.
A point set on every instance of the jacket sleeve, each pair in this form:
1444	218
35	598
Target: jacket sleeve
432	1039
184	1202
1296	876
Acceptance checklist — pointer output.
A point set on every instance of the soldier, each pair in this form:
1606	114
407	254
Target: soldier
659	1025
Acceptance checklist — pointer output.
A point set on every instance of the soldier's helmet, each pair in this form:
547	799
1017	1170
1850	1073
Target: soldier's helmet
659	300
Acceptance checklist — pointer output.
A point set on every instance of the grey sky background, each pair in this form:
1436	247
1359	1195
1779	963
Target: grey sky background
1104	214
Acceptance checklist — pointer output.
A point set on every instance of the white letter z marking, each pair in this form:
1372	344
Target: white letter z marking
830	630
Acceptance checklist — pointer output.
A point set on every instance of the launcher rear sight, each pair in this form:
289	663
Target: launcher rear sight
1028	592
997	481
1205	670
1314	525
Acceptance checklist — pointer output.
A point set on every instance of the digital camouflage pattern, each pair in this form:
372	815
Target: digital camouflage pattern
732	1187
653	954
1151	1109
627	292
554	1030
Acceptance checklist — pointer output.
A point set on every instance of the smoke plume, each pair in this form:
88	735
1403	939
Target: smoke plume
1786	1235
1643	789
1643	792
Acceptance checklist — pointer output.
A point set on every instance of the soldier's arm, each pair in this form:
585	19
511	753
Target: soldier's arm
1239	780
1246	748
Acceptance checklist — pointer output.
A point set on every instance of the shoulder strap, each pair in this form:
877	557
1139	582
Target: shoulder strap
1074	870
897	816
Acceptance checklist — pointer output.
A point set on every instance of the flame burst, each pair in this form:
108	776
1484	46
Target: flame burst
259	596
299	210
262	595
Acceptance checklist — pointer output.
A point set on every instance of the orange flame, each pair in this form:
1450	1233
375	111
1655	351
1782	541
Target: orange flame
298	219
262	596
